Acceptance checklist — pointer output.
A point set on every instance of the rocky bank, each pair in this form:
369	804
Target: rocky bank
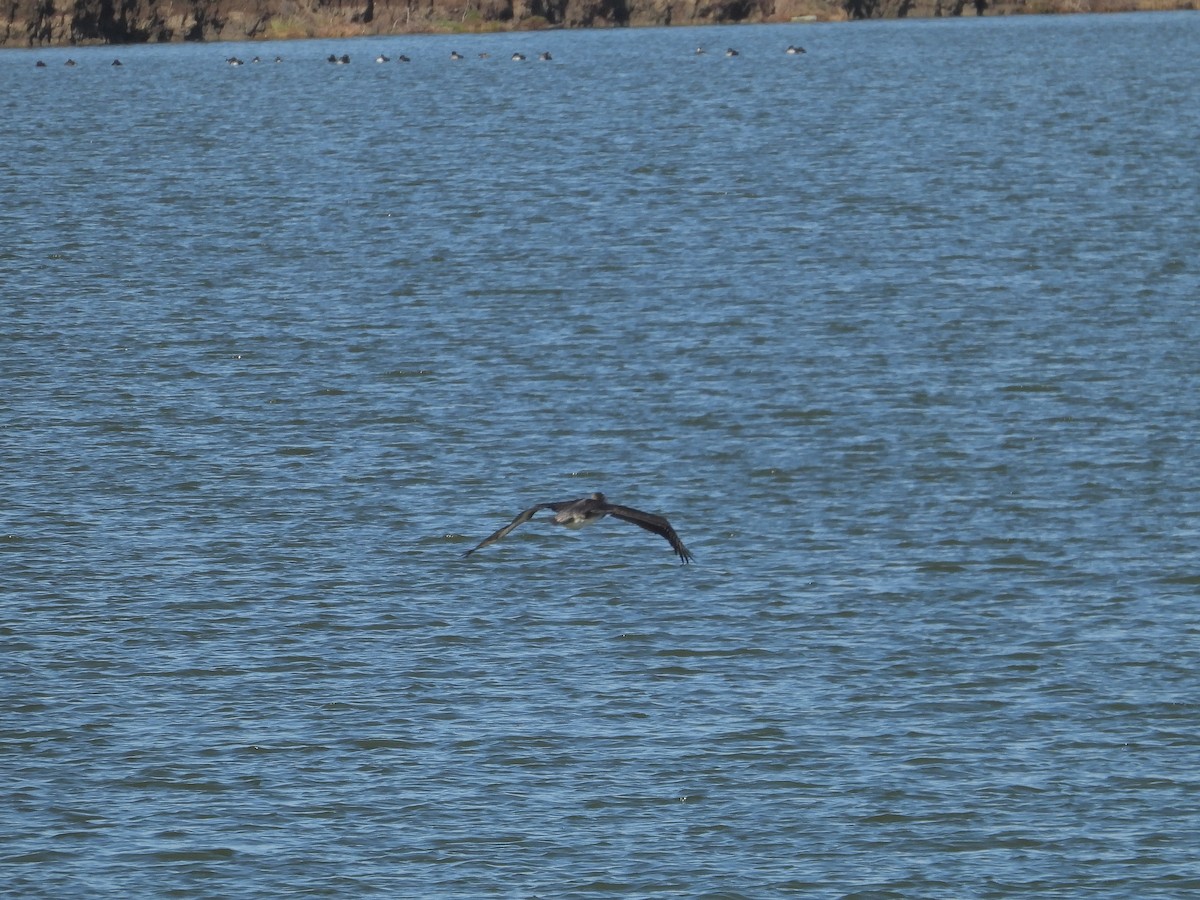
35	23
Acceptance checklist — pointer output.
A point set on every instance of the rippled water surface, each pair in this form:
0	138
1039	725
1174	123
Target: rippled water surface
901	334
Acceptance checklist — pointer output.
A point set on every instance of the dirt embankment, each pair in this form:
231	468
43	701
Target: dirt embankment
40	23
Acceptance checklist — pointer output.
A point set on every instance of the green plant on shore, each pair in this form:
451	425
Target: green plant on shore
287	28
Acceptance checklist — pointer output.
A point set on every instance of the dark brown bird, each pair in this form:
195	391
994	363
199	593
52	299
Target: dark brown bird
576	513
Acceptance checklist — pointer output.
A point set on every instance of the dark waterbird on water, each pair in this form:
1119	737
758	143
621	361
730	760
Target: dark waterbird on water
574	513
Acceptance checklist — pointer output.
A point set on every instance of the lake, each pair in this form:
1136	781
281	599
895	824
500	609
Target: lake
901	334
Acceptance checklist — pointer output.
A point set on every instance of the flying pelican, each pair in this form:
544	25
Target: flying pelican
574	513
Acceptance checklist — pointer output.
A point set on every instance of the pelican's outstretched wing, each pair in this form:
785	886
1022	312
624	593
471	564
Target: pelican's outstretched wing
519	520
654	523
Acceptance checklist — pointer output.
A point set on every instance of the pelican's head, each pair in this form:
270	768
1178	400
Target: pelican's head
599	497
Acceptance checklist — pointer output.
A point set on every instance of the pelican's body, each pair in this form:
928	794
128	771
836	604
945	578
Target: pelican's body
577	513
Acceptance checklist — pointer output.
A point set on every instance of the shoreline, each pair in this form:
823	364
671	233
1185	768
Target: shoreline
35	25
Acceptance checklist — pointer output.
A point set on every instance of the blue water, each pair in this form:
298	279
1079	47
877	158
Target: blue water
900	334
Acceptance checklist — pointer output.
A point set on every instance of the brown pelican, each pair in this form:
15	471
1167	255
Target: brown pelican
574	513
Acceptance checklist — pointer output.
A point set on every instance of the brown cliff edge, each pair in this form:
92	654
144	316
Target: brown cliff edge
44	23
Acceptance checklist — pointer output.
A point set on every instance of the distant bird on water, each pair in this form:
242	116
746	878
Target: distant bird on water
575	513
794	51
731	52
116	62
